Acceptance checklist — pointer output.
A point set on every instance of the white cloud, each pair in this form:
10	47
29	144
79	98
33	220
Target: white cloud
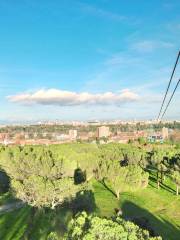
121	60
67	98
101	12
149	46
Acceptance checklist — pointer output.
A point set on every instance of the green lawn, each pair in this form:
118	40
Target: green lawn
160	207
14	224
27	224
105	200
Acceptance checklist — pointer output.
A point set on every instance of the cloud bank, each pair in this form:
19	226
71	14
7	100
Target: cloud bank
68	98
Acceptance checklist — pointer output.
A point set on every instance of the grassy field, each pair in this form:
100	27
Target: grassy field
14	224
27	224
160	208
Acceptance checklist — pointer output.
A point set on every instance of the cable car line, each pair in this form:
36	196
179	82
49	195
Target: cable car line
170	98
177	59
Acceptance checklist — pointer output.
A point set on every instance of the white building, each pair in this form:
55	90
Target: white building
72	134
165	133
62	137
103	131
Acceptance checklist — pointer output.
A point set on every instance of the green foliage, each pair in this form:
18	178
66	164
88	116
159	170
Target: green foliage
39	177
85	227
53	236
129	178
49	166
40	192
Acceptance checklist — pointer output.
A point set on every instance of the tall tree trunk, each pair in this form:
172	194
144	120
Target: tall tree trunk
53	204
117	194
162	176
158	183
158	180
177	190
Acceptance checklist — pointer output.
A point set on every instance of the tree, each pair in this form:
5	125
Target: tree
176	178
108	154
156	159
136	156
163	169
38	178
129	178
40	192
89	227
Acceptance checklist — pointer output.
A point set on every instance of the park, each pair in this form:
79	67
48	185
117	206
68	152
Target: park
57	184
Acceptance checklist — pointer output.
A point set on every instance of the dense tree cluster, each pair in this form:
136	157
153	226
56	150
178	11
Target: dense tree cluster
89	227
39	177
47	176
166	162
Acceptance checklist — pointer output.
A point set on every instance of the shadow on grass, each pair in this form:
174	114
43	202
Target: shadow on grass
146	220
44	221
105	185
84	201
13	224
152	180
47	220
30	223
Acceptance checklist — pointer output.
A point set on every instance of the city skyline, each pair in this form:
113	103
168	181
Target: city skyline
74	60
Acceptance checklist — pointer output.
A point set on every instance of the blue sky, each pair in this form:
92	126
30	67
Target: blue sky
102	59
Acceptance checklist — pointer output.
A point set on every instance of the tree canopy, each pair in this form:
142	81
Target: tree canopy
39	178
89	227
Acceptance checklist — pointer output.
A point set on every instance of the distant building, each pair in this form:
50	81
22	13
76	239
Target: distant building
91	134
83	136
165	133
35	135
44	134
103	131
62	137
26	136
156	137
72	134
4	136
8	142
19	136
93	123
